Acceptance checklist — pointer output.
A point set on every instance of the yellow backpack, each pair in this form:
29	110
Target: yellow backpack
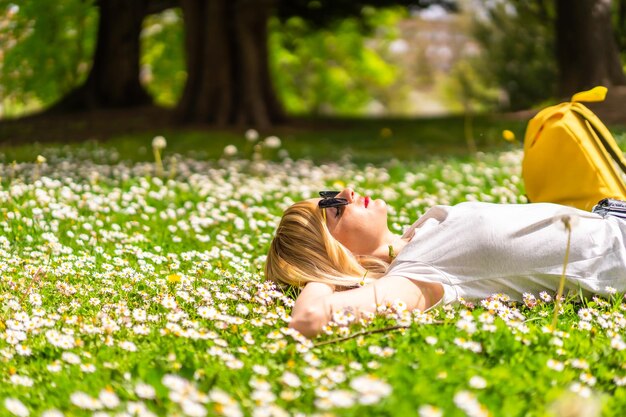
570	157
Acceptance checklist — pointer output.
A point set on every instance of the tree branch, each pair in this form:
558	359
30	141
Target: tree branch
157	6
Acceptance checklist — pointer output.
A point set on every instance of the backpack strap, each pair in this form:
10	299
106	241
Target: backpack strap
610	149
603	134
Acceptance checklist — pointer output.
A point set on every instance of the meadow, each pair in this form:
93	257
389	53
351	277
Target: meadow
133	288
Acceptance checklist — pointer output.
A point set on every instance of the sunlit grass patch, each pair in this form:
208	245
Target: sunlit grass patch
125	292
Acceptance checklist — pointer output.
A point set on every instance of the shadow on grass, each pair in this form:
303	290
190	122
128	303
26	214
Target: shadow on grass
362	140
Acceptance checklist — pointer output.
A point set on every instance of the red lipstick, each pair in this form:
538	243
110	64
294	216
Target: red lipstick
367	201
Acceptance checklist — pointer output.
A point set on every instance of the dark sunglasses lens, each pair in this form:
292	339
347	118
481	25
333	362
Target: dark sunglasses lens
332	202
329	194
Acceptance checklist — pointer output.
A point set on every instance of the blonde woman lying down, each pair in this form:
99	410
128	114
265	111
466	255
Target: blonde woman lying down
328	245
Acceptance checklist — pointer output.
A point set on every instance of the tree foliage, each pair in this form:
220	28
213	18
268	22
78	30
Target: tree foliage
323	13
517	40
47	48
334	69
162	61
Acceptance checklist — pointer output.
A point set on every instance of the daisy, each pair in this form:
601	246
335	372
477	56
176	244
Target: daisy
16	407
429	411
145	391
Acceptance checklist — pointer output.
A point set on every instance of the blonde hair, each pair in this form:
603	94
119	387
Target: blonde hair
303	250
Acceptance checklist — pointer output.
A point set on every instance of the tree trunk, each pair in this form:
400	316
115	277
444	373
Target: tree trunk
620	25
228	77
587	52
113	80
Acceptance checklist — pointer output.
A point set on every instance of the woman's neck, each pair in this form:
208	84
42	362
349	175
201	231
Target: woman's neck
390	248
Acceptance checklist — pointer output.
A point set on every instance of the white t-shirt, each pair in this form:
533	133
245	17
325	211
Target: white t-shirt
478	249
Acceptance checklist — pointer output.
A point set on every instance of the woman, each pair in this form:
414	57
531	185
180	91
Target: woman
334	244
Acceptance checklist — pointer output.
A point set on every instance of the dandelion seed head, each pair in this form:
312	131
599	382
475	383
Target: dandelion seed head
230	150
159	142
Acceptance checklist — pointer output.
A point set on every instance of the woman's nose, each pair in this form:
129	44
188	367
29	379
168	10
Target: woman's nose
348	194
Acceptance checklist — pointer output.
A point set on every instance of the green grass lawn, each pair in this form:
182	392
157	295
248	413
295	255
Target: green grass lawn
363	140
123	293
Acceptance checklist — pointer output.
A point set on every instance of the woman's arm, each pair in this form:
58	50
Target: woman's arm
308	315
317	301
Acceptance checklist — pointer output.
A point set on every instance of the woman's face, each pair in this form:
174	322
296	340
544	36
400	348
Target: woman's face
361	225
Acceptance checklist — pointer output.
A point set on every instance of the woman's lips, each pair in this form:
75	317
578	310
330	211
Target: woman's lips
367	201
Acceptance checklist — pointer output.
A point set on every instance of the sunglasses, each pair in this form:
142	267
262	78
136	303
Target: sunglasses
329	199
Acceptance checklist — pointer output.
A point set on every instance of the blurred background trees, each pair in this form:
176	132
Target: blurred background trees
516	65
253	62
113	79
586	46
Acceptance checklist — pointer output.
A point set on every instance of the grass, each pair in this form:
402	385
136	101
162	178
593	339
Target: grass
126	293
363	140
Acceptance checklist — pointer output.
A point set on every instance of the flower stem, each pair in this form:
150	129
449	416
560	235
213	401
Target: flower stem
157	162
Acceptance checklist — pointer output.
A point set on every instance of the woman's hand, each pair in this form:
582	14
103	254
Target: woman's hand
317	301
311	312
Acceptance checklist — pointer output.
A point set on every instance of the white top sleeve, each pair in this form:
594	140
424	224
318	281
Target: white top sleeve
478	249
